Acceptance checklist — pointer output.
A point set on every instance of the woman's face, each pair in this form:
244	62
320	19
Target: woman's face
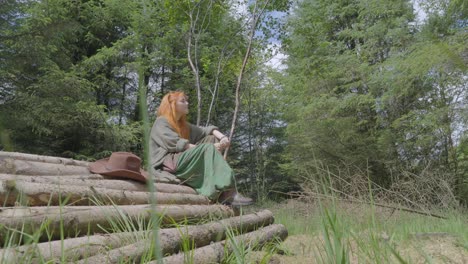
182	105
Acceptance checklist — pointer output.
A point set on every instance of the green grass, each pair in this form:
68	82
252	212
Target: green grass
299	218
343	232
340	232
140	227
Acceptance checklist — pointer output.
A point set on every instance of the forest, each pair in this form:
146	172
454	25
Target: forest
365	95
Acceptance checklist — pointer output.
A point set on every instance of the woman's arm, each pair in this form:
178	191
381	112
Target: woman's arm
197	133
218	134
165	136
223	139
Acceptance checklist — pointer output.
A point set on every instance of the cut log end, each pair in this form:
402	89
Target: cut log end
7	165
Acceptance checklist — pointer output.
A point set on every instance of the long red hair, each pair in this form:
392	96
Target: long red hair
168	110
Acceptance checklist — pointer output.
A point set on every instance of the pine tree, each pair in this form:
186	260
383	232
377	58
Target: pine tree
335	48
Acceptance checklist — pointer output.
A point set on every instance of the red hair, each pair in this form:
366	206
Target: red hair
168	110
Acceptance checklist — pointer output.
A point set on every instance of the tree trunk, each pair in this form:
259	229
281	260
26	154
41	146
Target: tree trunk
99	181
40	158
216	252
85	220
171	240
194	66
41	194
26	167
255	19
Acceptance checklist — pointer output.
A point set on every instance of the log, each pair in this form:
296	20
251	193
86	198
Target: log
92	177
171	239
99	181
30	164
72	248
26	167
83	247
216	252
41	194
41	158
86	220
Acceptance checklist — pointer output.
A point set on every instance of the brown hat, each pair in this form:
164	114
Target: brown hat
120	164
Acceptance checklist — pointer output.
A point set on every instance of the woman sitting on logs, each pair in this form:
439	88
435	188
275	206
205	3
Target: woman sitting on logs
192	153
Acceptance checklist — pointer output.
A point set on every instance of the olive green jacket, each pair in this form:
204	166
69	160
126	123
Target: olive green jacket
164	139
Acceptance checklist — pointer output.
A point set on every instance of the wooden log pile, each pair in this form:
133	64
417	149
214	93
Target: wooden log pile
55	210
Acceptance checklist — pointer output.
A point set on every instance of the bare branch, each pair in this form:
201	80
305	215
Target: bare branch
256	19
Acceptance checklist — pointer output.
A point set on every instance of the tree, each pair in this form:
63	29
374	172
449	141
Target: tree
51	108
370	91
335	48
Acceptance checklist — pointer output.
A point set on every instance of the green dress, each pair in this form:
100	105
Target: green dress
202	167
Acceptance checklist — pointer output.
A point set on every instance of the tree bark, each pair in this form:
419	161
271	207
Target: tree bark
73	248
40	158
216	252
194	66
99	181
85	220
257	14
41	194
27	167
171	240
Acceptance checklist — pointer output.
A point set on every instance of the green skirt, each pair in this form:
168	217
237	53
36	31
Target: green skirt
204	169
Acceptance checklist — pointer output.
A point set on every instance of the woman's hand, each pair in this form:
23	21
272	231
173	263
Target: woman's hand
189	146
224	142
218	147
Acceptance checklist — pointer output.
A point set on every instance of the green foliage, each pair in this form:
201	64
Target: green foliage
327	230
365	88
68	77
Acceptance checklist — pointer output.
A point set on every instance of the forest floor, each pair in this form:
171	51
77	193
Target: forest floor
302	249
364	234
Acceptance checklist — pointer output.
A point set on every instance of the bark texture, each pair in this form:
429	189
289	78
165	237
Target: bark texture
99	181
116	243
40	158
73	248
41	194
216	252
86	220
70	208
26	167
171	240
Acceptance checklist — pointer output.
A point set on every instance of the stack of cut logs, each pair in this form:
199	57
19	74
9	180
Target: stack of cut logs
55	210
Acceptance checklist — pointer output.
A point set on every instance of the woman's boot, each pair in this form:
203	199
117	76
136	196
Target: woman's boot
233	198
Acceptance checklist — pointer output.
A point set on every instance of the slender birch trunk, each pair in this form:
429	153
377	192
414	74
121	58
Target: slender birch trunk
257	14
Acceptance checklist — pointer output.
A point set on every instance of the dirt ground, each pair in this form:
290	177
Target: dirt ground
304	249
